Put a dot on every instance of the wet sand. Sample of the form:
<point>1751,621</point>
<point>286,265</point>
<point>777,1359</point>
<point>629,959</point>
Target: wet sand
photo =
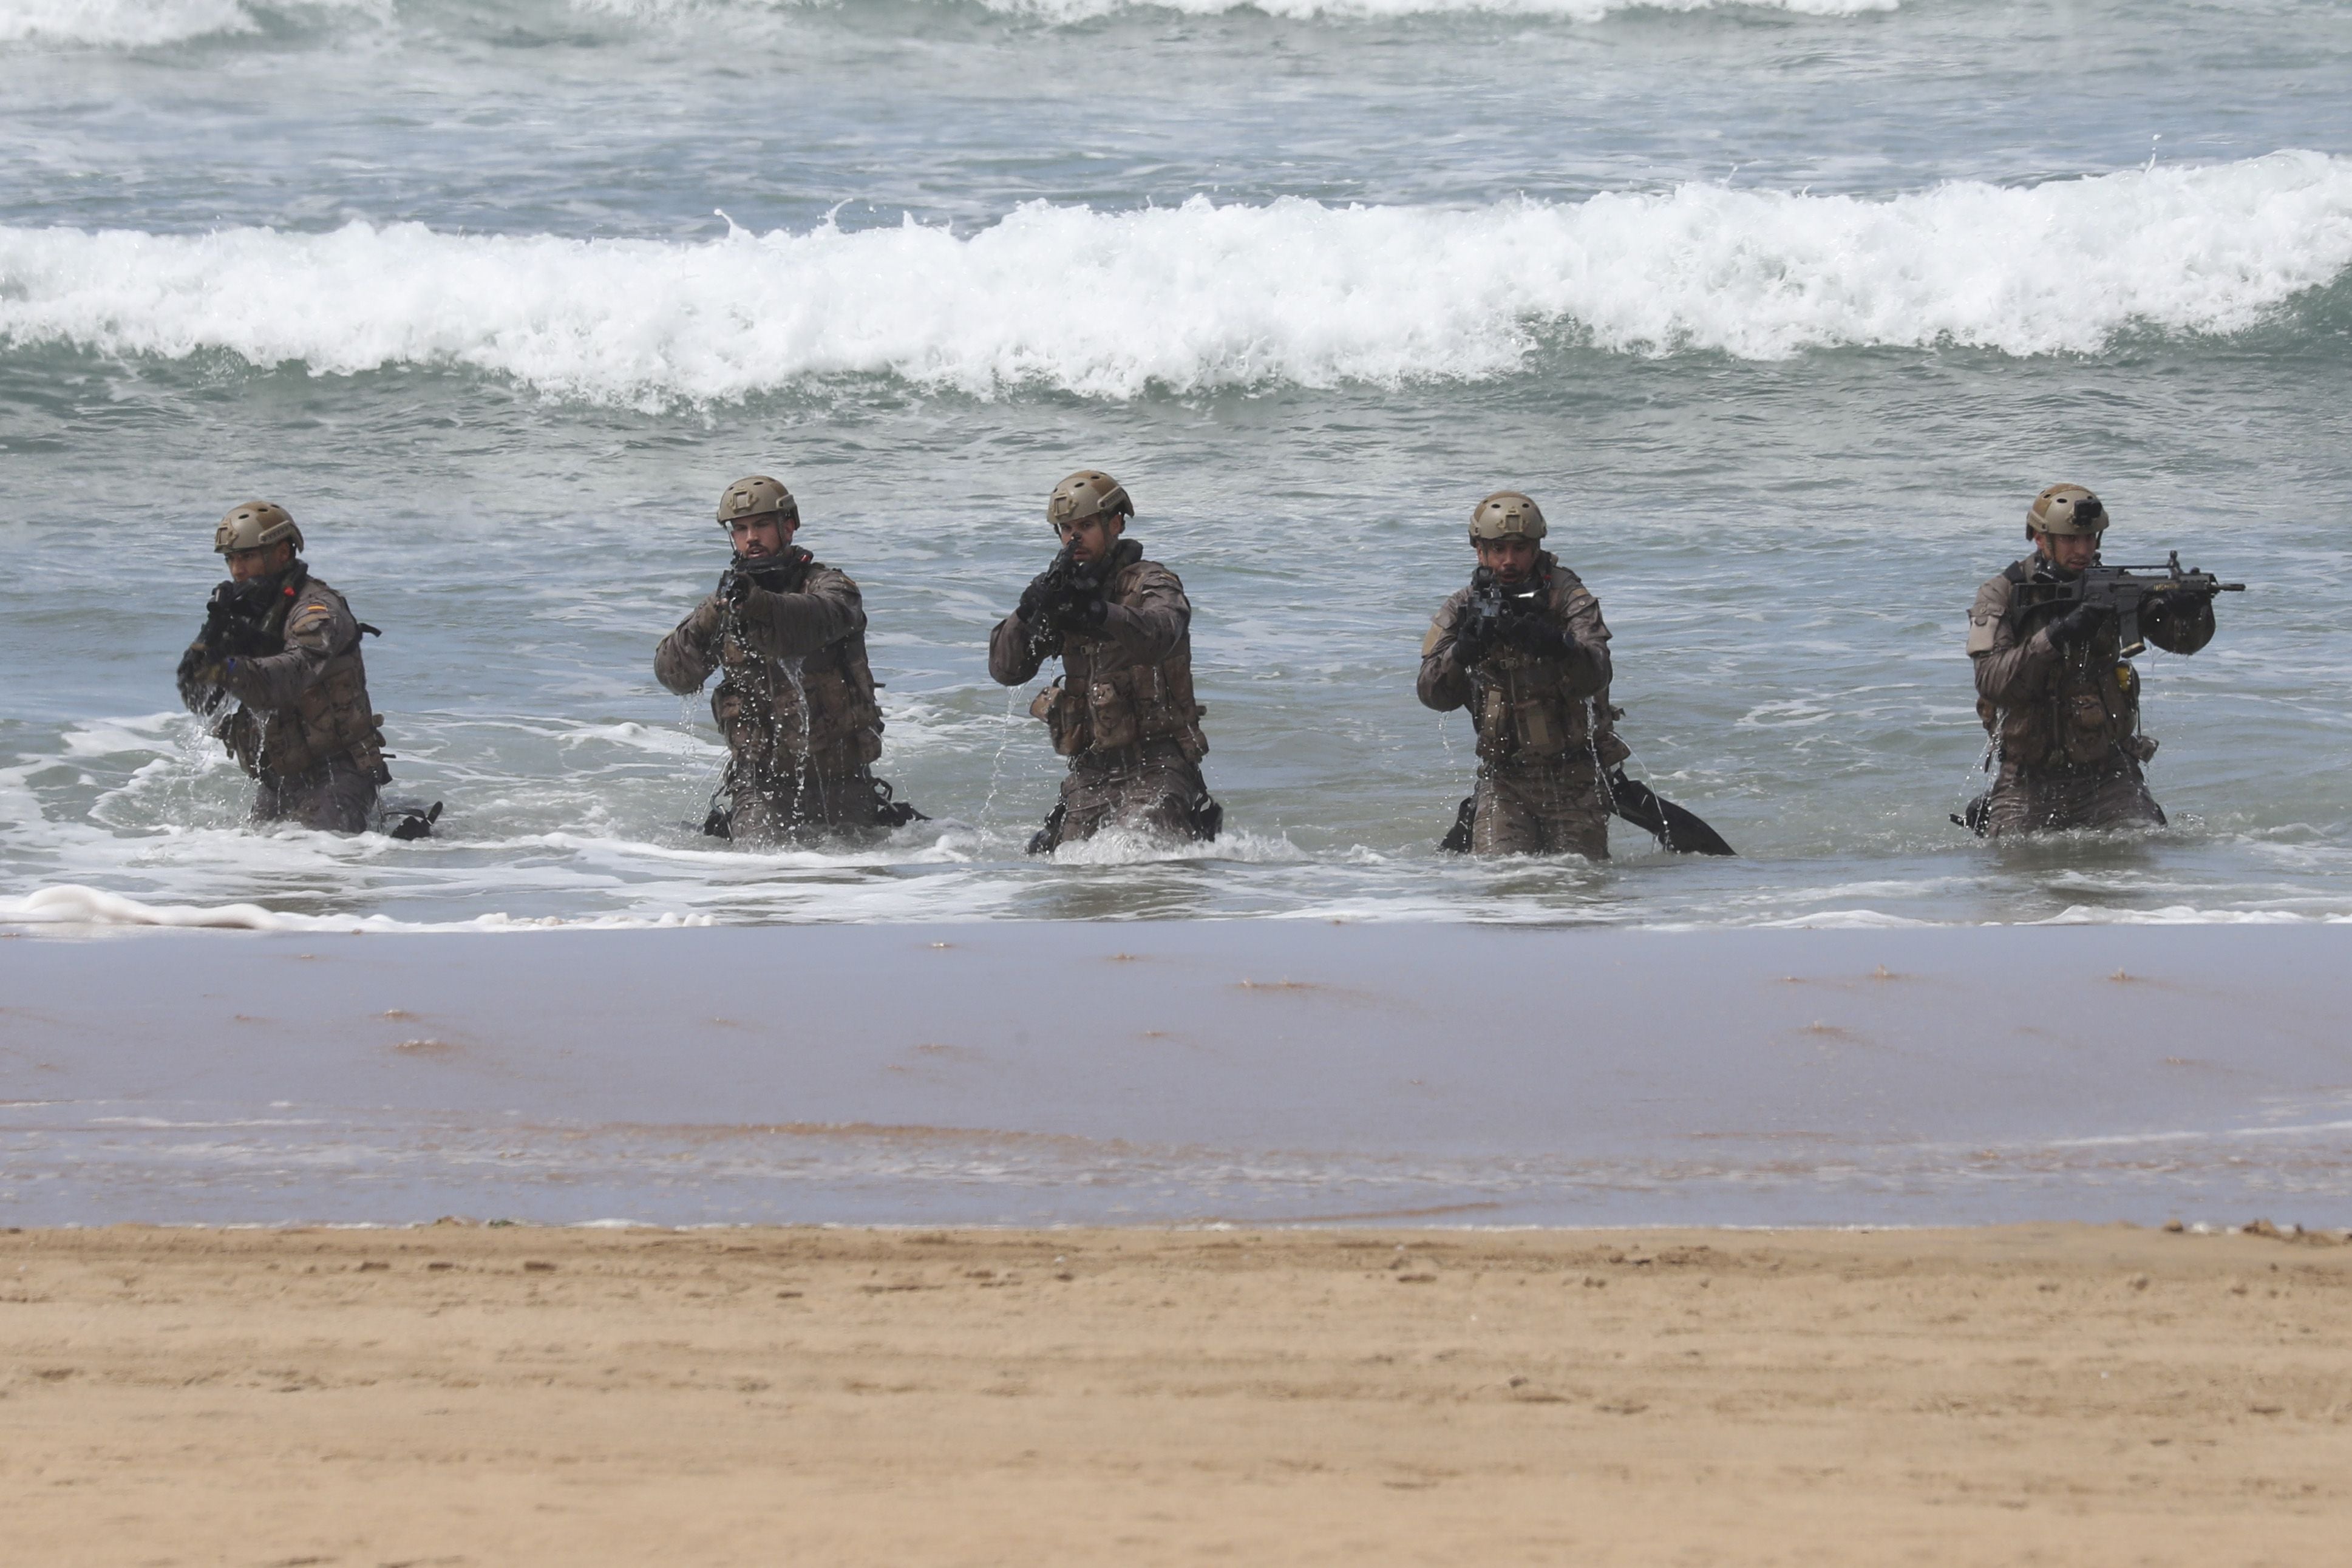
<point>500,1395</point>
<point>1260,1072</point>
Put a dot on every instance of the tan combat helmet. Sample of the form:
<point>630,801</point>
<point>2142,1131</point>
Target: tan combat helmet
<point>758,496</point>
<point>256,524</point>
<point>1506,515</point>
<point>1087,493</point>
<point>2066,510</point>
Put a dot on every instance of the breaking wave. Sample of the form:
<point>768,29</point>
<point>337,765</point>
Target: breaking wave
<point>1203,296</point>
<point>153,24</point>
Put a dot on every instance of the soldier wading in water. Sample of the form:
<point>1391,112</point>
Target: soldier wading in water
<point>1122,711</point>
<point>2054,685</point>
<point>795,699</point>
<point>1525,649</point>
<point>285,646</point>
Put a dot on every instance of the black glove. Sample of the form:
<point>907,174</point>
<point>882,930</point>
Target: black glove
<point>1473,639</point>
<point>1534,634</point>
<point>1036,597</point>
<point>199,679</point>
<point>2079,624</point>
<point>734,586</point>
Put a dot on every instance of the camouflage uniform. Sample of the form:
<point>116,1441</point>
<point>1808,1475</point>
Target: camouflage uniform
<point>2065,721</point>
<point>1122,711</point>
<point>303,728</point>
<point>795,700</point>
<point>1546,735</point>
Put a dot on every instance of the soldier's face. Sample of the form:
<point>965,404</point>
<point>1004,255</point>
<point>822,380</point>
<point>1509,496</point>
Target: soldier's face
<point>761,536</point>
<point>245,564</point>
<point>1090,540</point>
<point>2068,552</point>
<point>1511,558</point>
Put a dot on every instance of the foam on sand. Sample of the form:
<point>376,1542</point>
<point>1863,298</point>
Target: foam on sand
<point>1203,296</point>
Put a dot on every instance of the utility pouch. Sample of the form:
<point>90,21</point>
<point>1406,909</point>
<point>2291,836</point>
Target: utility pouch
<point>1540,731</point>
<point>1061,719</point>
<point>1113,713</point>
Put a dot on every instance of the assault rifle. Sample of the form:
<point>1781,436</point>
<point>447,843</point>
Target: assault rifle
<point>1062,583</point>
<point>235,620</point>
<point>1491,604</point>
<point>235,617</point>
<point>2127,592</point>
<point>746,572</point>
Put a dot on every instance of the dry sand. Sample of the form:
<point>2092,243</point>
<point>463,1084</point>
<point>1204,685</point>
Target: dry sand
<point>500,1395</point>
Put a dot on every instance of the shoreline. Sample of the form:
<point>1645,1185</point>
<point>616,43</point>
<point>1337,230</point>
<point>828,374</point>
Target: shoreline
<point>2095,1394</point>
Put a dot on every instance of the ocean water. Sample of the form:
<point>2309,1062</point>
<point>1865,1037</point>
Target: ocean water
<point>1783,311</point>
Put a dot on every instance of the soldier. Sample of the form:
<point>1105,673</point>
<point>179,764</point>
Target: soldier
<point>285,646</point>
<point>1122,710</point>
<point>1524,647</point>
<point>2054,689</point>
<point>795,699</point>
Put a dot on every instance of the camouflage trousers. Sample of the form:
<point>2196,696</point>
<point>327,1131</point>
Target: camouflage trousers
<point>1536,808</point>
<point>1151,788</point>
<point>801,805</point>
<point>2027,802</point>
<point>337,799</point>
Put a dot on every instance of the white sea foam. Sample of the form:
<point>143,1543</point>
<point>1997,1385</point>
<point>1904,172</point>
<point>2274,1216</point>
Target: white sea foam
<point>1204,296</point>
<point>1071,11</point>
<point>151,24</point>
<point>71,904</point>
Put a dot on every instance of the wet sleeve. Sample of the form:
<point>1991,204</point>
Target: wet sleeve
<point>794,626</point>
<point>1150,619</point>
<point>2179,623</point>
<point>2008,672</point>
<point>1014,651</point>
<point>317,628</point>
<point>1588,666</point>
<point>1444,685</point>
<point>683,660</point>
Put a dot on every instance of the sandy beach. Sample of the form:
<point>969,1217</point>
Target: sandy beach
<point>476,1394</point>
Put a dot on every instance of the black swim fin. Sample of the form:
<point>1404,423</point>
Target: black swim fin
<point>1678,830</point>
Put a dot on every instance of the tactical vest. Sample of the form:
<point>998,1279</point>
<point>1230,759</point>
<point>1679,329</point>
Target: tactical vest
<point>781,718</point>
<point>1525,714</point>
<point>330,720</point>
<point>1104,702</point>
<point>2087,715</point>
